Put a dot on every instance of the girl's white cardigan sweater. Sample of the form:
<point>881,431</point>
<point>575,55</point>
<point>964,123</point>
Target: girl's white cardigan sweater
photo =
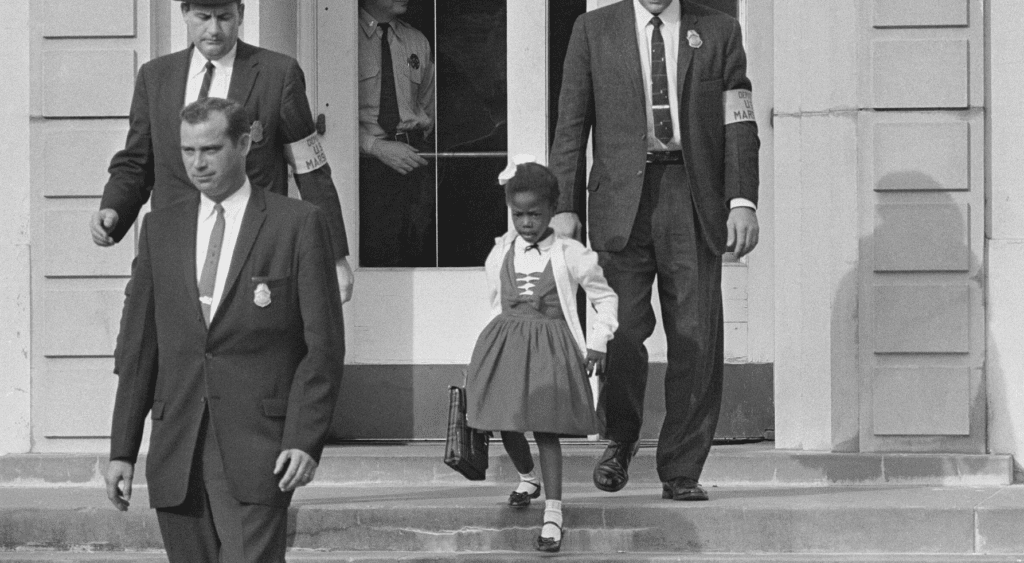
<point>573,265</point>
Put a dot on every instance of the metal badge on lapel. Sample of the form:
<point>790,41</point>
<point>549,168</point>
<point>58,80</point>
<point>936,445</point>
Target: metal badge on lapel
<point>256,131</point>
<point>261,297</point>
<point>694,39</point>
<point>414,61</point>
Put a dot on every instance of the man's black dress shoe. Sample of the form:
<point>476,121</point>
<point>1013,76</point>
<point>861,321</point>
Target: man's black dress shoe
<point>683,489</point>
<point>612,471</point>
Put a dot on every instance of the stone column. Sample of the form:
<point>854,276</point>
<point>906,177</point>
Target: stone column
<point>1005,233</point>
<point>816,224</point>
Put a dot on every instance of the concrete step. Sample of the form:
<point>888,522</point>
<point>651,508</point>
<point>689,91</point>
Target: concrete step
<point>730,465</point>
<point>511,557</point>
<point>864,520</point>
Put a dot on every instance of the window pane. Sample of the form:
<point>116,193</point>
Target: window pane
<point>472,134</point>
<point>474,206</point>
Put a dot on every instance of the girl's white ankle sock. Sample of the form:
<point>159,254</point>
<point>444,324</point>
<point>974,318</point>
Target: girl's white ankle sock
<point>552,513</point>
<point>528,483</point>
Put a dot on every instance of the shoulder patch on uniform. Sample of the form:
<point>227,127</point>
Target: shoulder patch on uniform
<point>739,106</point>
<point>306,155</point>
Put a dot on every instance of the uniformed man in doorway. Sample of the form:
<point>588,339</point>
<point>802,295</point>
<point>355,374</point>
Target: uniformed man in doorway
<point>396,122</point>
<point>270,86</point>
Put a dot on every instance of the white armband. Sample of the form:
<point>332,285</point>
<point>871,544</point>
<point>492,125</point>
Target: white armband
<point>739,106</point>
<point>306,155</point>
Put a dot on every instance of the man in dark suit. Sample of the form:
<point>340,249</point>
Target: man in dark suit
<point>236,303</point>
<point>663,86</point>
<point>272,88</point>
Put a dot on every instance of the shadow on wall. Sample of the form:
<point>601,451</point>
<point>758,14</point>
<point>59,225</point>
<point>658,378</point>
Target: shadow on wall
<point>906,323</point>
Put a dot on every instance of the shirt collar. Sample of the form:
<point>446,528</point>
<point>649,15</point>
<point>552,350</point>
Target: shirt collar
<point>369,25</point>
<point>233,204</point>
<point>544,244</point>
<point>669,16</point>
<point>198,64</point>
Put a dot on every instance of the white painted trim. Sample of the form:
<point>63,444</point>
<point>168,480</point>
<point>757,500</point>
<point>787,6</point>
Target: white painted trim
<point>250,31</point>
<point>179,33</point>
<point>527,60</point>
<point>15,276</point>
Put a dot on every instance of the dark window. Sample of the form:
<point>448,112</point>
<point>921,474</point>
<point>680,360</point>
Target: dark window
<point>457,208</point>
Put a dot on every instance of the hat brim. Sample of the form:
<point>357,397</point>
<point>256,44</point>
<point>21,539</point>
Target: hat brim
<point>208,2</point>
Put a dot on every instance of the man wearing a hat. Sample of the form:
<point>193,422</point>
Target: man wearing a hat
<point>270,86</point>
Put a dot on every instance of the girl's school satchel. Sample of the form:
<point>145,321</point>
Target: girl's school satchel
<point>465,450</point>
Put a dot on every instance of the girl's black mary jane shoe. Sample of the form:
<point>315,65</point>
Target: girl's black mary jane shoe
<point>522,500</point>
<point>550,545</point>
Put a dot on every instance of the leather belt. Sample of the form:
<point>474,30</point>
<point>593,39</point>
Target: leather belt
<point>413,137</point>
<point>665,157</point>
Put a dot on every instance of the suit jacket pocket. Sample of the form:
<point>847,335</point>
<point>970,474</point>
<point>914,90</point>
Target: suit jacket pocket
<point>275,408</point>
<point>158,410</point>
<point>271,299</point>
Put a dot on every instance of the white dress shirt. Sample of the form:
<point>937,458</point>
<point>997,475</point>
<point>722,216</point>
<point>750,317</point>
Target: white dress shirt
<point>234,208</point>
<point>536,259</point>
<point>222,69</point>
<point>670,29</point>
<point>532,261</point>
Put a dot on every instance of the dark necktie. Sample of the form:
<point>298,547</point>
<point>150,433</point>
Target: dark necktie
<point>534,246</point>
<point>388,117</point>
<point>659,85</point>
<point>208,278</point>
<point>204,90</point>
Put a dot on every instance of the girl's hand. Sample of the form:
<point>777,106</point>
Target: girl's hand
<point>595,362</point>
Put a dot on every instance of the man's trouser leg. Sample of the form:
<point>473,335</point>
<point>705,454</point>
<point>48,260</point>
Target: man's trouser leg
<point>690,291</point>
<point>630,272</point>
<point>215,521</point>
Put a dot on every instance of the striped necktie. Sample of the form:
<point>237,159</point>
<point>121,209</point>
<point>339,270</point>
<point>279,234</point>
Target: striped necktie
<point>659,85</point>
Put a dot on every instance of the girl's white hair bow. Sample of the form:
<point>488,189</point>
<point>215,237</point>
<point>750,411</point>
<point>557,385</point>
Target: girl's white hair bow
<point>510,170</point>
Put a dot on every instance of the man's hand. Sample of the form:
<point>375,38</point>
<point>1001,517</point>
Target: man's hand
<point>743,230</point>
<point>118,471</point>
<point>103,222</point>
<point>300,469</point>
<point>345,279</point>
<point>567,224</point>
<point>399,156</point>
<point>595,362</point>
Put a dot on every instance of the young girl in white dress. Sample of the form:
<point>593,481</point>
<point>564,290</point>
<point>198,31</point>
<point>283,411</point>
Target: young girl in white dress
<point>530,364</point>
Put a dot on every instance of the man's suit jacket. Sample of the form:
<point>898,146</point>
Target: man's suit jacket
<point>603,90</point>
<point>270,86</point>
<point>268,375</point>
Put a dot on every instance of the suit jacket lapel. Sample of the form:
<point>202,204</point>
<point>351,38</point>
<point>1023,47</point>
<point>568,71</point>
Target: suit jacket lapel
<point>244,73</point>
<point>170,106</point>
<point>179,81</point>
<point>687,22</point>
<point>625,29</point>
<point>183,250</point>
<point>252,220</point>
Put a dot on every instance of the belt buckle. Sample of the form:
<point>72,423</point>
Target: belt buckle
<point>404,137</point>
<point>661,157</point>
